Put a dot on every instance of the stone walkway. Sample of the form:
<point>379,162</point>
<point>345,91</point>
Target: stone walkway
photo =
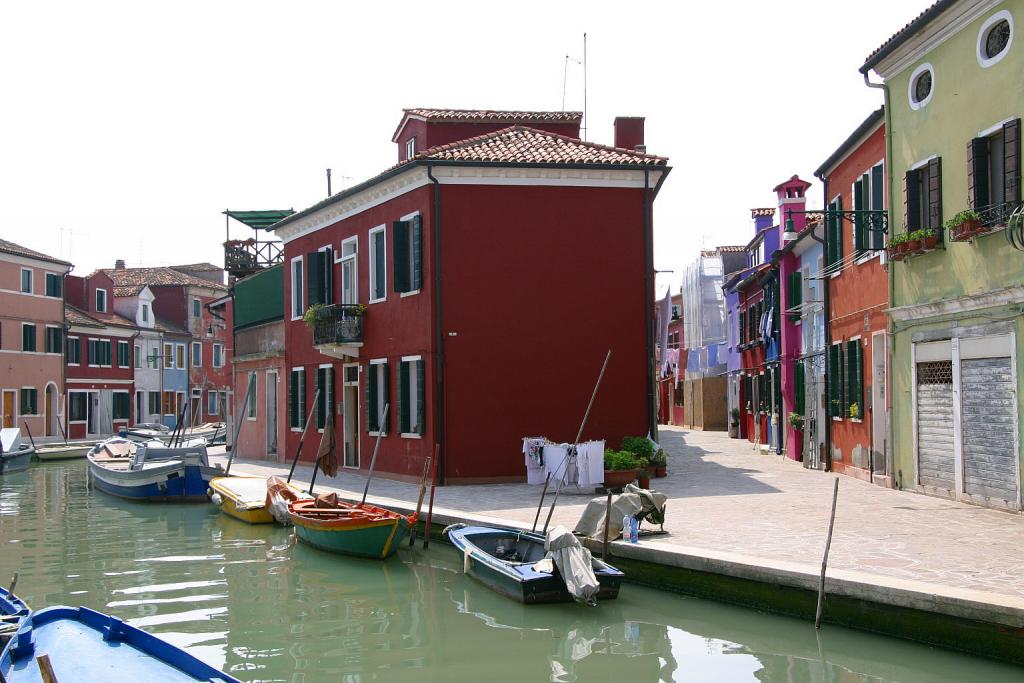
<point>725,499</point>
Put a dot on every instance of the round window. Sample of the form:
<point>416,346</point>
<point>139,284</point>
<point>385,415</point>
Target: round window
<point>922,86</point>
<point>997,38</point>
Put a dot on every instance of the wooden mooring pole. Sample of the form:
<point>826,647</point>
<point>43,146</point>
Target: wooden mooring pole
<point>824,559</point>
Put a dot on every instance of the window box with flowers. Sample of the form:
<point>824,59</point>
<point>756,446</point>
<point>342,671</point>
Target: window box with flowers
<point>965,226</point>
<point>898,245</point>
<point>922,241</point>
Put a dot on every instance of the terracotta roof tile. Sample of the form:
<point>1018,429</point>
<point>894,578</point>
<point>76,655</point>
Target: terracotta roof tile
<point>136,277</point>
<point>509,115</point>
<point>18,250</point>
<point>197,267</point>
<point>133,290</point>
<point>519,144</point>
<point>732,249</point>
<point>754,213</point>
<point>76,316</point>
<point>164,326</point>
<point>901,36</point>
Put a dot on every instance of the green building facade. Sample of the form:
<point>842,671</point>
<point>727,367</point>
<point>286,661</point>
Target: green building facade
<point>954,88</point>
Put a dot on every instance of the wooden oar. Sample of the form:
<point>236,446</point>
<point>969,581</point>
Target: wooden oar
<point>540,503</point>
<point>430,507</point>
<point>302,436</point>
<point>579,435</point>
<point>376,447</point>
<point>45,669</point>
<point>423,490</point>
<point>30,439</point>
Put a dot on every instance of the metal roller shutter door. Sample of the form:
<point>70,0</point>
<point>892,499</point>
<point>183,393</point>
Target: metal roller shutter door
<point>935,424</point>
<point>988,417</point>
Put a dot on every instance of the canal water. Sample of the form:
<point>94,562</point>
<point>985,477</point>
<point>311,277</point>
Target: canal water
<point>249,600</point>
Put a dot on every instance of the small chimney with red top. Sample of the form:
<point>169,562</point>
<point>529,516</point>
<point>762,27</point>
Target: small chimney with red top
<point>629,133</point>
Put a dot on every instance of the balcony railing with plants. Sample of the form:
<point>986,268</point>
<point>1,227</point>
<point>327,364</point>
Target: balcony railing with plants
<point>242,257</point>
<point>913,242</point>
<point>336,323</point>
<point>982,220</point>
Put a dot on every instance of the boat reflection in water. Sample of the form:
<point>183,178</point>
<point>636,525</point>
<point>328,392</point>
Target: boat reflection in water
<point>249,600</point>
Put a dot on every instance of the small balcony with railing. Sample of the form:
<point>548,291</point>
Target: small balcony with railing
<point>245,257</point>
<point>337,329</point>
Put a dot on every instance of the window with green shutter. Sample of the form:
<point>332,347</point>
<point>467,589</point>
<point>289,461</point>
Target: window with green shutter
<point>408,249</point>
<point>29,401</point>
<point>54,285</point>
<point>378,265</point>
<point>411,396</point>
<point>835,381</point>
<point>319,268</point>
<point>297,398</point>
<point>324,391</point>
<point>121,407</point>
<point>377,397</point>
<point>798,388</point>
<point>834,233</point>
<point>28,337</point>
<point>854,373</point>
<point>54,340</point>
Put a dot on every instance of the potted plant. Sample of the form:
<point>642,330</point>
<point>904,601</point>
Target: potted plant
<point>854,411</point>
<point>928,239</point>
<point>311,315</point>
<point>796,421</point>
<point>913,241</point>
<point>897,246</point>
<point>660,462</point>
<point>964,225</point>
<point>734,423</point>
<point>619,468</point>
<point>642,448</point>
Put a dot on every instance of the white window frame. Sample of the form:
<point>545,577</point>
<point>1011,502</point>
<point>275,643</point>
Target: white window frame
<point>218,350</point>
<point>210,393</point>
<point>410,146</point>
<point>344,259</point>
<point>301,388</point>
<point>373,264</point>
<point>868,254</point>
<point>145,312</point>
<point>298,295</point>
<point>408,218</point>
<point>46,338</point>
<point>910,86</point>
<point>120,419</point>
<point>413,391</point>
<point>119,343</point>
<point>197,358</point>
<point>197,305</point>
<point>70,421</point>
<point>46,277</point>
<point>180,355</point>
<point>251,411</point>
<point>31,283</point>
<point>106,300</point>
<point>329,398</point>
<point>66,342</point>
<point>36,337</point>
<point>137,357</point>
<point>168,357</point>
<point>380,404</point>
<point>983,61</point>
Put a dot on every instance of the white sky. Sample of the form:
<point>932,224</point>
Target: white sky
<point>126,128</point>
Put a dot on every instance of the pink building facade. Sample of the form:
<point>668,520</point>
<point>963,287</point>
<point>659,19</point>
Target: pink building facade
<point>31,340</point>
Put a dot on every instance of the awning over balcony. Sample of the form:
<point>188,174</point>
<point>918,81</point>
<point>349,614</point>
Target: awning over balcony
<point>259,220</point>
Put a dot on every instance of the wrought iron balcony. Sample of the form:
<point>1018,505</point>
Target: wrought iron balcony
<point>998,215</point>
<point>245,257</point>
<point>339,325</point>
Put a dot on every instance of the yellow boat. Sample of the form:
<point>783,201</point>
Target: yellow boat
<point>243,498</point>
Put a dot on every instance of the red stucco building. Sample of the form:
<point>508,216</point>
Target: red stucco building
<point>858,293</point>
<point>475,289</point>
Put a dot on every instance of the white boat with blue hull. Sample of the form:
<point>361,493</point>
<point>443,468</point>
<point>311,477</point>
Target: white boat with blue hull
<point>152,472</point>
<point>15,454</point>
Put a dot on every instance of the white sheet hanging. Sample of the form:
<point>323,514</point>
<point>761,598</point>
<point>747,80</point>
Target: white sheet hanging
<point>590,463</point>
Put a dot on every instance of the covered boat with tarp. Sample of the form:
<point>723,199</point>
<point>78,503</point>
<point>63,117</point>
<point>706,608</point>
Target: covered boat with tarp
<point>249,498</point>
<point>84,645</point>
<point>532,568</point>
<point>151,471</point>
<point>15,454</point>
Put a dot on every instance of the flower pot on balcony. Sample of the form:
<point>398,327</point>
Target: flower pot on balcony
<point>913,246</point>
<point>929,242</point>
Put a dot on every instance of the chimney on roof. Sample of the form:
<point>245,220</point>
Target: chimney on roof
<point>629,133</point>
<point>119,264</point>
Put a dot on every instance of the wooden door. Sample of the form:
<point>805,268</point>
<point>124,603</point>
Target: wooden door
<point>9,398</point>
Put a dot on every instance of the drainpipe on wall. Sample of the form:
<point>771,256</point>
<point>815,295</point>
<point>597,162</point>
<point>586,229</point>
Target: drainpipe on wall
<point>652,424</point>
<point>439,357</point>
<point>890,328</point>
<point>827,313</point>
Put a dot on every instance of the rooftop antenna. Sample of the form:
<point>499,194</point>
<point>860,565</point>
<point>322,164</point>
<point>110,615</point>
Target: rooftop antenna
<point>565,75</point>
<point>585,120</point>
<point>328,182</point>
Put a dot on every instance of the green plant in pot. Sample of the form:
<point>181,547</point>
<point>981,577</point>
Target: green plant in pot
<point>928,239</point>
<point>619,468</point>
<point>897,246</point>
<point>964,225</point>
<point>660,462</point>
<point>312,315</point>
<point>642,448</point>
<point>796,421</point>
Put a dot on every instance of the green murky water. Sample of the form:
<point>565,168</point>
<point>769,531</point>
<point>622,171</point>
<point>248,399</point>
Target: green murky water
<point>251,601</point>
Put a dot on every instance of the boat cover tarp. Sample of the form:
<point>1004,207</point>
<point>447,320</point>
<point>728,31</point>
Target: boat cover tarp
<point>632,502</point>
<point>574,564</point>
<point>10,437</point>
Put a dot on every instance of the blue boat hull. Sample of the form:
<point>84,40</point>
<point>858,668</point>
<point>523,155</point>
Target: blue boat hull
<point>518,580</point>
<point>84,645</point>
<point>16,461</point>
<point>13,610</point>
<point>188,487</point>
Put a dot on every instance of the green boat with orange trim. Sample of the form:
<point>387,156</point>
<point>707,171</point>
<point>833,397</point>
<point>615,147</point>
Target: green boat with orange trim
<point>356,529</point>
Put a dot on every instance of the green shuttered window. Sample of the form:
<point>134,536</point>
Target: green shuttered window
<point>319,268</point>
<point>411,397</point>
<point>835,380</point>
<point>121,409</point>
<point>29,401</point>
<point>377,397</point>
<point>324,392</point>
<point>408,241</point>
<point>799,393</point>
<point>854,372</point>
<point>297,398</point>
<point>834,233</point>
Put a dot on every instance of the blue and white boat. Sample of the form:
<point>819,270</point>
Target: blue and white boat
<point>15,454</point>
<point>13,611</point>
<point>512,562</point>
<point>151,471</point>
<point>84,645</point>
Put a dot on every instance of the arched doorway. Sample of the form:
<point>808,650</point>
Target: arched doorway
<point>50,406</point>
